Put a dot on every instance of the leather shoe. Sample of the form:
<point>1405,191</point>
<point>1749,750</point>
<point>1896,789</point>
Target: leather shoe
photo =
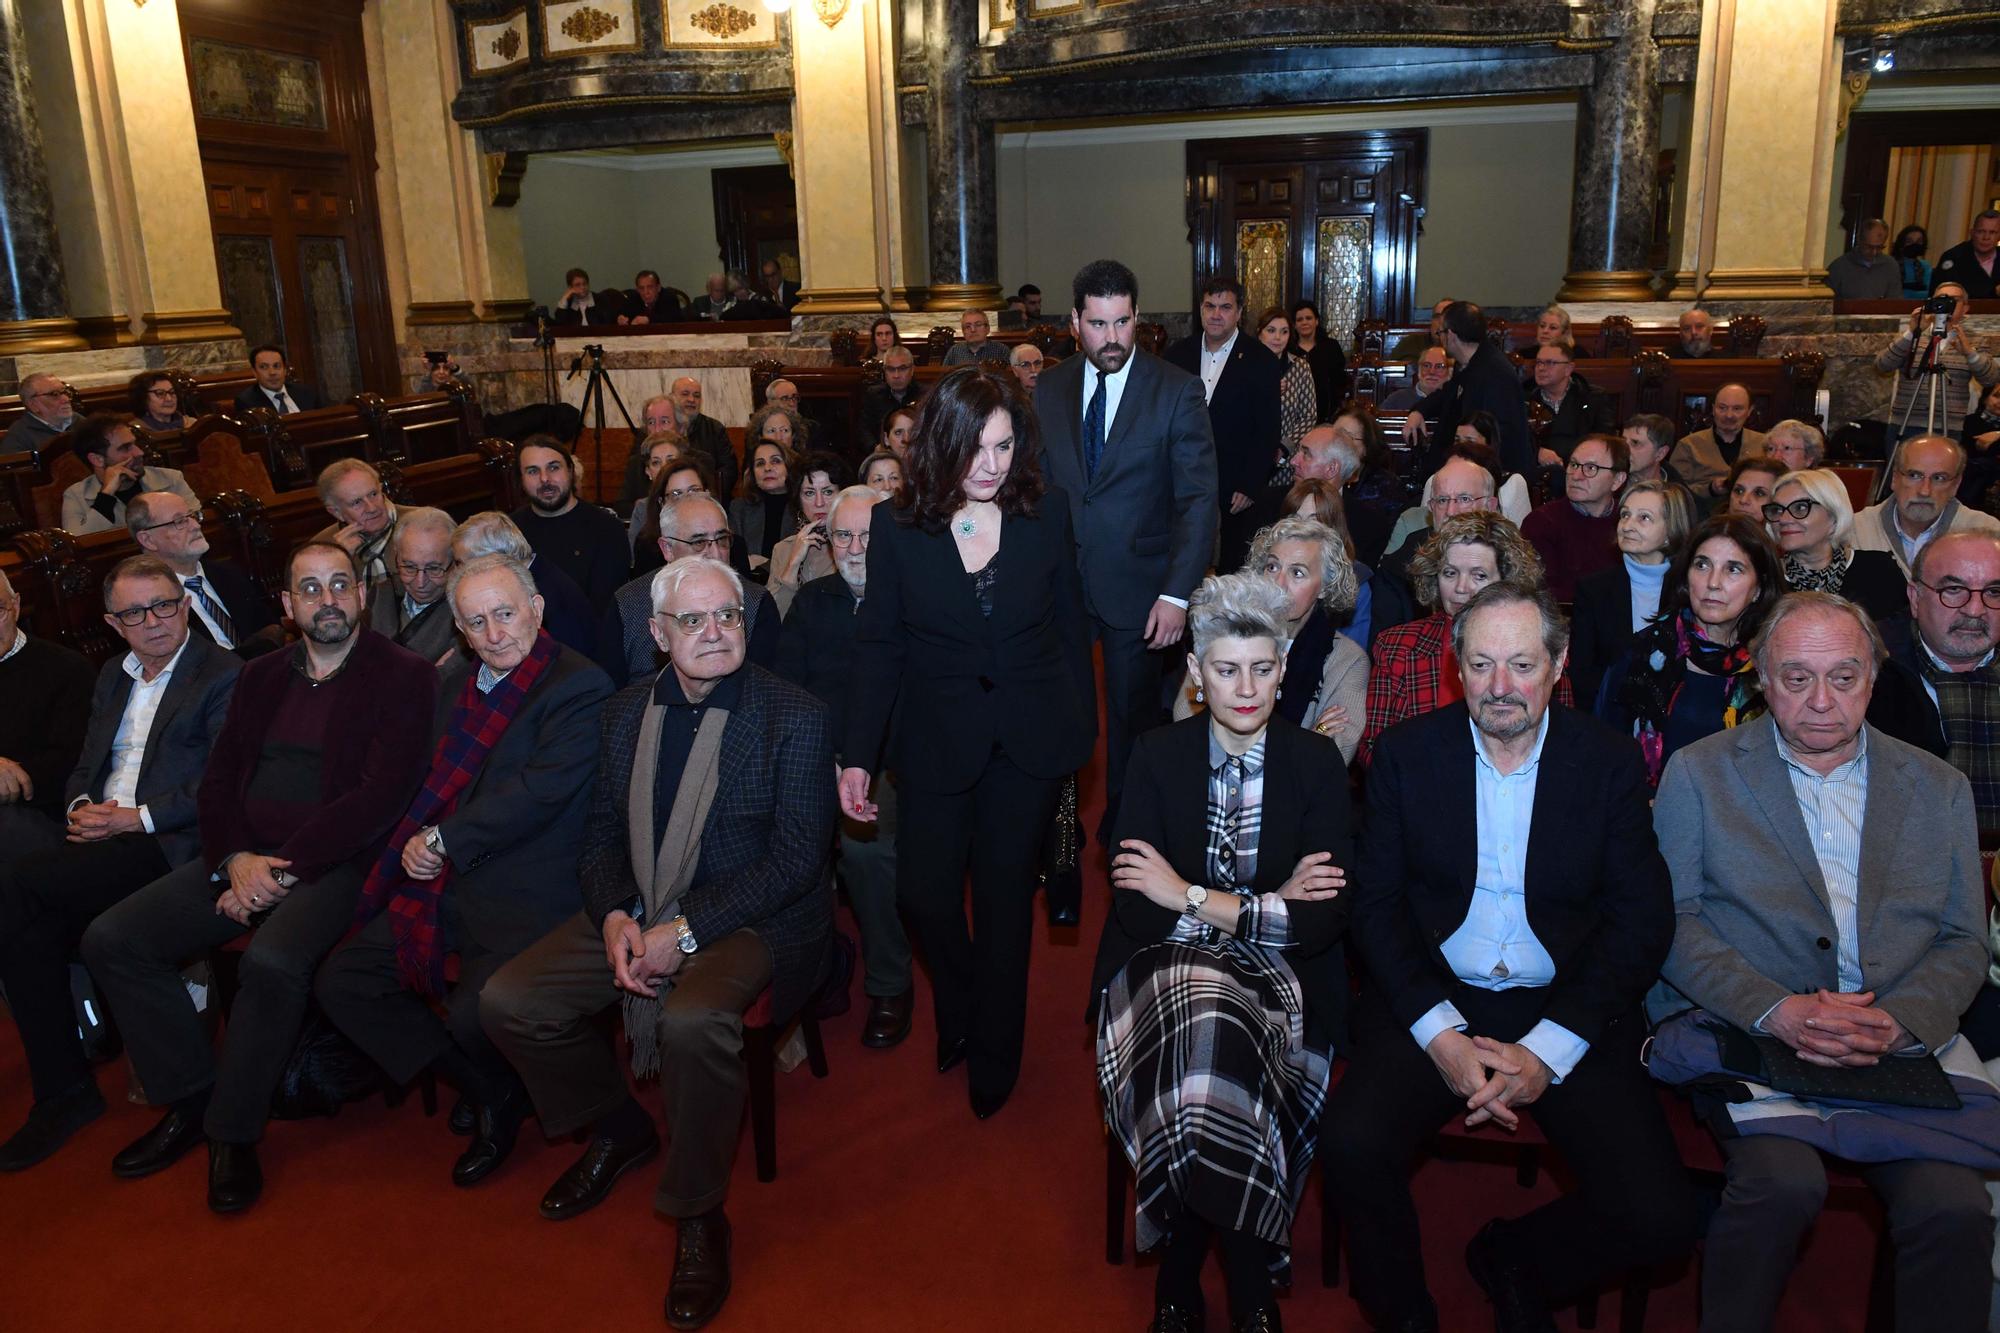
<point>494,1128</point>
<point>584,1185</point>
<point>1065,896</point>
<point>234,1178</point>
<point>985,1104</point>
<point>1517,1306</point>
<point>1171,1318</point>
<point>159,1147</point>
<point>1264,1320</point>
<point>461,1119</point>
<point>50,1124</point>
<point>700,1283</point>
<point>888,1020</point>
<point>951,1054</point>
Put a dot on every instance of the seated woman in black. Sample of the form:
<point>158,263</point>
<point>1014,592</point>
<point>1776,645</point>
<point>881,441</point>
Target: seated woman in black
<point>1811,519</point>
<point>1220,986</point>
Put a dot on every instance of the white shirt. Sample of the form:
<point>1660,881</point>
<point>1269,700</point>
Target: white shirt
<point>1114,389</point>
<point>1832,807</point>
<point>128,745</point>
<point>195,603</point>
<point>282,401</point>
<point>1212,364</point>
<point>20,642</point>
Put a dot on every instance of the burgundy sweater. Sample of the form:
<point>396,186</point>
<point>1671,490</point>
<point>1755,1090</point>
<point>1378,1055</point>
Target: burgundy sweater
<point>1571,544</point>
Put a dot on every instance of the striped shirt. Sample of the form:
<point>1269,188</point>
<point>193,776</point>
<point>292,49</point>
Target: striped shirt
<point>1832,807</point>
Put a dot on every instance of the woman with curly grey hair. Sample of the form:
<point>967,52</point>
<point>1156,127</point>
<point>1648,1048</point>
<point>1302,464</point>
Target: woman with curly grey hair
<point>1220,982</point>
<point>1308,562</point>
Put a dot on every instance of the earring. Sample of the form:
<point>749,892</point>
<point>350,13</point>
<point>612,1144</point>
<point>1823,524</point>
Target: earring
<point>1197,694</point>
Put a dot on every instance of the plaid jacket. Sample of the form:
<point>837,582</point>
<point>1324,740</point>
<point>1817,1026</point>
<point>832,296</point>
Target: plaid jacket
<point>763,861</point>
<point>1403,682</point>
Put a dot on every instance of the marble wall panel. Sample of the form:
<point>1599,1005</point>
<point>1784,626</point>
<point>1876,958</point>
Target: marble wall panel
<point>496,46</point>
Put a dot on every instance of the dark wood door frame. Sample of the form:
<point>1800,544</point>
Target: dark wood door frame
<point>1864,184</point>
<point>753,205</point>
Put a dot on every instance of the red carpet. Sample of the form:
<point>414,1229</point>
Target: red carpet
<point>893,1209</point>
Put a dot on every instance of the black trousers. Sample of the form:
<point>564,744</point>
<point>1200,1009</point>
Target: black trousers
<point>136,950</point>
<point>362,991</point>
<point>1134,701</point>
<point>1632,1204</point>
<point>48,899</point>
<point>979,978</point>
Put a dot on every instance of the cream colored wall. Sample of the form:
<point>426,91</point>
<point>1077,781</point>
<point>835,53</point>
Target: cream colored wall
<point>1498,227</point>
<point>1061,207</point>
<point>614,222</point>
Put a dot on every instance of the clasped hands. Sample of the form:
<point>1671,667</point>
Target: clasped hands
<point>1494,1077</point>
<point>640,959</point>
<point>1139,867</point>
<point>1836,1028</point>
<point>94,821</point>
<point>254,886</point>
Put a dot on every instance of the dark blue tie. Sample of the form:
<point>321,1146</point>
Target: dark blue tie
<point>214,609</point>
<point>1093,431</point>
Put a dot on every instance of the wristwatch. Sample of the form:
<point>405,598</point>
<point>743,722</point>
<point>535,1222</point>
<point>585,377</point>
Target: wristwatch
<point>683,937</point>
<point>1196,896</point>
<point>434,841</point>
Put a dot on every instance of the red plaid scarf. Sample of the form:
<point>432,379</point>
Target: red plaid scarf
<point>477,723</point>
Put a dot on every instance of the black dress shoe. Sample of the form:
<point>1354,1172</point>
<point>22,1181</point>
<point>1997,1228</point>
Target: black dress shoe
<point>159,1147</point>
<point>1264,1320</point>
<point>700,1283</point>
<point>584,1185</point>
<point>234,1178</point>
<point>1517,1306</point>
<point>888,1020</point>
<point>50,1124</point>
<point>462,1112</point>
<point>951,1054</point>
<point>985,1103</point>
<point>1171,1318</point>
<point>1065,896</point>
<point>494,1128</point>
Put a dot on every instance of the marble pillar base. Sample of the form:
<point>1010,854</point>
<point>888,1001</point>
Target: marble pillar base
<point>840,300</point>
<point>187,326</point>
<point>964,296</point>
<point>1599,285</point>
<point>425,313</point>
<point>39,335</point>
<point>1766,284</point>
<point>107,330</point>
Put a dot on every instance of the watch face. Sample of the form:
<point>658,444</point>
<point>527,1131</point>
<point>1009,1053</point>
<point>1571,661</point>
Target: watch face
<point>1197,894</point>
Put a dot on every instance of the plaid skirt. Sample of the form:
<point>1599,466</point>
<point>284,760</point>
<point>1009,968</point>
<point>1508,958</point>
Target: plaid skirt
<point>1213,1087</point>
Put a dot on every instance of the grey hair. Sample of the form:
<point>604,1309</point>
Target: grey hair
<point>1793,603</point>
<point>1808,435</point>
<point>1555,629</point>
<point>1014,357</point>
<point>1237,606</point>
<point>1957,451</point>
<point>1338,586</point>
<point>867,494</point>
<point>753,434</point>
<point>669,580</point>
<point>138,567</point>
<point>425,519</point>
<point>1923,553</point>
<point>139,511</point>
<point>1825,487</point>
<point>1347,451</point>
<point>672,505</point>
<point>330,476</point>
<point>486,564</point>
<point>491,533</point>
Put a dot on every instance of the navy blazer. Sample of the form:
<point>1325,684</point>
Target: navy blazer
<point>1145,522</point>
<point>183,733</point>
<point>962,684</point>
<point>1598,895</point>
<point>763,859</point>
<point>1305,810</point>
<point>304,395</point>
<point>1243,413</point>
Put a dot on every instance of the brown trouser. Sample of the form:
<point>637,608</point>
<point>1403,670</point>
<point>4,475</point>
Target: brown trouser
<point>538,1010</point>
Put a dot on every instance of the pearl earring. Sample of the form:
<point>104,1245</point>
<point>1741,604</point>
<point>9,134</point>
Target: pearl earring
<point>1197,694</point>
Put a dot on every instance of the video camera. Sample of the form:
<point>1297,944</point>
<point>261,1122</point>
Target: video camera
<point>1941,305</point>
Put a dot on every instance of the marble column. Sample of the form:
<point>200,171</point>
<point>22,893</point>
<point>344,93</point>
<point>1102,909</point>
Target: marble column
<point>964,231</point>
<point>839,143</point>
<point>34,299</point>
<point>1617,154</point>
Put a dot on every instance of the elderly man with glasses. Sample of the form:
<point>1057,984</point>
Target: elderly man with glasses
<point>412,609</point>
<point>130,805</point>
<point>1925,473</point>
<point>50,410</point>
<point>1577,535</point>
<point>694,524</point>
<point>225,605</point>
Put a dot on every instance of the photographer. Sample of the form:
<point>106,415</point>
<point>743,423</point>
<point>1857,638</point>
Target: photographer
<point>1942,320</point>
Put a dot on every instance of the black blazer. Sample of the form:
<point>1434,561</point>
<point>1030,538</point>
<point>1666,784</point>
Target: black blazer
<point>666,310</point>
<point>1305,810</point>
<point>1875,583</point>
<point>1488,382</point>
<point>514,836</point>
<point>250,611</point>
<point>1599,899</point>
<point>963,684</point>
<point>1243,414</point>
<point>1600,629</point>
<point>1145,524</point>
<point>184,729</point>
<point>816,645</point>
<point>304,395</point>
<point>1900,706</point>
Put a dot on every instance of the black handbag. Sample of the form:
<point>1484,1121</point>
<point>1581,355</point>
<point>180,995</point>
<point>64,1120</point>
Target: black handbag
<point>325,1072</point>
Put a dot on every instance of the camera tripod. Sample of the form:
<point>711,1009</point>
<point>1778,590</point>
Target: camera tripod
<point>594,390</point>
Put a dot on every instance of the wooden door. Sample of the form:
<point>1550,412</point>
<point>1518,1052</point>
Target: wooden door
<point>1329,217</point>
<point>757,218</point>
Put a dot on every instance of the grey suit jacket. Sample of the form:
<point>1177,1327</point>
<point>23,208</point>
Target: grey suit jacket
<point>428,636</point>
<point>184,729</point>
<point>1753,922</point>
<point>1145,523</point>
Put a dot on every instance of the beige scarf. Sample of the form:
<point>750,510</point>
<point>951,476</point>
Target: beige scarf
<point>663,873</point>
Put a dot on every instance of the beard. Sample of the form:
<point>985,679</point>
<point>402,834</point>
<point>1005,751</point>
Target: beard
<point>1504,727</point>
<point>329,626</point>
<point>544,505</point>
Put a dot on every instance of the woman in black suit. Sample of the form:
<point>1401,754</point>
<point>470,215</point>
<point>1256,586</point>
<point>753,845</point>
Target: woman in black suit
<point>1221,987</point>
<point>1654,520</point>
<point>973,637</point>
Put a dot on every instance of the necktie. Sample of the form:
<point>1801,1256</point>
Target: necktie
<point>1093,431</point>
<point>213,608</point>
<point>1225,855</point>
<point>282,401</point>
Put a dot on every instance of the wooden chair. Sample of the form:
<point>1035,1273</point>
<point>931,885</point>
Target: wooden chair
<point>761,1038</point>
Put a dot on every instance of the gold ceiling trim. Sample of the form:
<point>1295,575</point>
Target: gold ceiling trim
<point>1558,39</point>
<point>1898,27</point>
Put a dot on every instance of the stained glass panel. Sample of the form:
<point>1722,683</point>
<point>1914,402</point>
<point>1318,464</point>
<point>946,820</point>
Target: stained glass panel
<point>1343,274</point>
<point>1263,253</point>
<point>250,287</point>
<point>330,316</point>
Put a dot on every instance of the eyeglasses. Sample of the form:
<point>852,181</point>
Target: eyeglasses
<point>704,541</point>
<point>681,492</point>
<point>1955,595</point>
<point>311,591</point>
<point>858,540</point>
<point>1916,478</point>
<point>191,519</point>
<point>165,609</point>
<point>162,391</point>
<point>431,571</point>
<point>1587,470</point>
<point>692,623</point>
<point>1456,501</point>
<point>1800,508</point>
<point>60,391</point>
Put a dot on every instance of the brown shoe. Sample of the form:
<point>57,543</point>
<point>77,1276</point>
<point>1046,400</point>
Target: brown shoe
<point>888,1020</point>
<point>700,1283</point>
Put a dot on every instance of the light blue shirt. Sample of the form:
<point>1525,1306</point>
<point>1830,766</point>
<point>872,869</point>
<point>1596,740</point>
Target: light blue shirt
<point>1832,807</point>
<point>1645,582</point>
<point>1495,948</point>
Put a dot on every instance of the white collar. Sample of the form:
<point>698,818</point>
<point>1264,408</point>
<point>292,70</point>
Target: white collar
<point>1115,377</point>
<point>1223,350</point>
<point>20,642</point>
<point>138,672</point>
<point>1980,665</point>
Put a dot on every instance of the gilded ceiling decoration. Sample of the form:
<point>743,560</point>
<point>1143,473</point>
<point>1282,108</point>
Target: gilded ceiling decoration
<point>589,24</point>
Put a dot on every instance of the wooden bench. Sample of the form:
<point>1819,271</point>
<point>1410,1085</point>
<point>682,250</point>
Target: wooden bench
<point>1613,337</point>
<point>199,395</point>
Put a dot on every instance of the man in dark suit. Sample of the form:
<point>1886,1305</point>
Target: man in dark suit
<point>275,388</point>
<point>47,689</point>
<point>411,609</point>
<point>719,894</point>
<point>778,290</point>
<point>1505,969</point>
<point>693,524</point>
<point>1240,378</point>
<point>1485,381</point>
<point>484,872</point>
<point>131,816</point>
<point>225,605</point>
<point>1127,437</point>
<point>899,388</point>
<point>649,302</point>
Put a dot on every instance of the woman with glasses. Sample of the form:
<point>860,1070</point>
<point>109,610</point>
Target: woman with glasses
<point>1810,518</point>
<point>1654,520</point>
<point>1689,674</point>
<point>973,639</point>
<point>156,404</point>
<point>803,557</point>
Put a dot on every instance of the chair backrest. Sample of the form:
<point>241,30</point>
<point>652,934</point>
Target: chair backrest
<point>65,470</point>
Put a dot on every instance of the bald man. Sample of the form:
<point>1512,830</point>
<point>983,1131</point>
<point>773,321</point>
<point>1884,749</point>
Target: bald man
<point>679,409</point>
<point>49,413</point>
<point>1703,458</point>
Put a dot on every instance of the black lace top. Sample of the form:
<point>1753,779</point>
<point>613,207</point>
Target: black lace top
<point>983,583</point>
